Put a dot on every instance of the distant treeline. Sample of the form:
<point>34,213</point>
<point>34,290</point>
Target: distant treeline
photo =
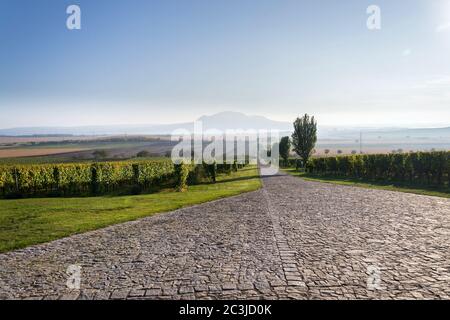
<point>90,179</point>
<point>36,136</point>
<point>425,168</point>
<point>122,139</point>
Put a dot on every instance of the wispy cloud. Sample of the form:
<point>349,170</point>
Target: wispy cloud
<point>443,27</point>
<point>439,82</point>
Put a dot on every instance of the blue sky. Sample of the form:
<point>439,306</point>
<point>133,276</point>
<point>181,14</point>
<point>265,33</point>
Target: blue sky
<point>174,60</point>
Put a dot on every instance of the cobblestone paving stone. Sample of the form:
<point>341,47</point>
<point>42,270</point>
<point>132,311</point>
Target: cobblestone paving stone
<point>292,239</point>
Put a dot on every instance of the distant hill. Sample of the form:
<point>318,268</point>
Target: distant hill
<point>220,121</point>
<point>234,121</point>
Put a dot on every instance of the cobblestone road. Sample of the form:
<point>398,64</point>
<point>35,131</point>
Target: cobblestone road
<point>290,240</point>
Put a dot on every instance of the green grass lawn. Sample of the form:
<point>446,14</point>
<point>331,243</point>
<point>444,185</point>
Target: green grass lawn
<point>371,184</point>
<point>26,222</point>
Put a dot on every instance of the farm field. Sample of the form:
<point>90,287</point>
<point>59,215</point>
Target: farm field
<point>53,149</point>
<point>26,140</point>
<point>14,140</point>
<point>76,148</point>
<point>26,222</point>
<point>377,147</point>
<point>225,150</point>
<point>33,152</point>
<point>76,153</point>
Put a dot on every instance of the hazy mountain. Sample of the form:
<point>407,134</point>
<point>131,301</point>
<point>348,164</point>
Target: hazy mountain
<point>220,121</point>
<point>235,121</point>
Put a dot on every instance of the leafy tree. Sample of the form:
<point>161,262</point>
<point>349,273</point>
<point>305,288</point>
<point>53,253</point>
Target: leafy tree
<point>100,154</point>
<point>326,151</point>
<point>143,154</point>
<point>304,137</point>
<point>285,148</point>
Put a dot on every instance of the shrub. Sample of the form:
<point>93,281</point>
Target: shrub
<point>77,179</point>
<point>427,168</point>
<point>181,175</point>
<point>235,166</point>
<point>197,175</point>
<point>211,170</point>
<point>94,180</point>
<point>224,168</point>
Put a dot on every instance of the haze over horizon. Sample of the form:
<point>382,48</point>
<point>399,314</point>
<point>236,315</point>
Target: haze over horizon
<point>193,119</point>
<point>223,122</point>
<point>165,62</point>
